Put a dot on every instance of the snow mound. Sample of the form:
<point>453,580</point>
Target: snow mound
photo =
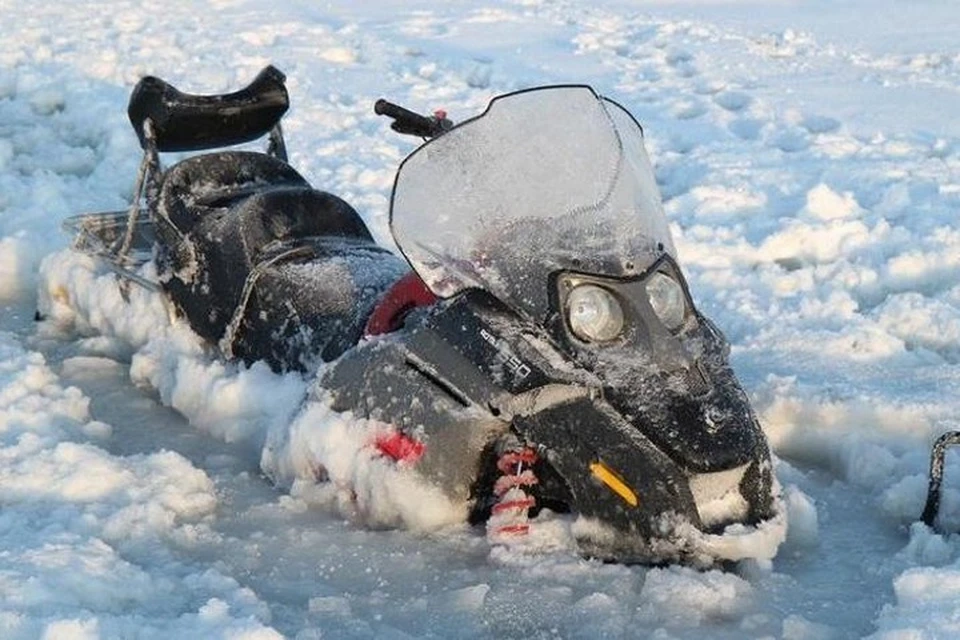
<point>325,457</point>
<point>336,450</point>
<point>82,528</point>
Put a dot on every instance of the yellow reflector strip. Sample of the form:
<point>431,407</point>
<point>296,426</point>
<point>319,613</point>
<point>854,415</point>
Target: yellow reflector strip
<point>603,473</point>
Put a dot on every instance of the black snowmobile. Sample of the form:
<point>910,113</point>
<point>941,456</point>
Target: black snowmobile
<point>535,347</point>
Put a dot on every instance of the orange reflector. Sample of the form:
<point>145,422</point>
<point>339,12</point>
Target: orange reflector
<point>606,475</point>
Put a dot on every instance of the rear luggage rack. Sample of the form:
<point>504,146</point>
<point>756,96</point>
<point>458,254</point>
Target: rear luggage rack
<point>99,234</point>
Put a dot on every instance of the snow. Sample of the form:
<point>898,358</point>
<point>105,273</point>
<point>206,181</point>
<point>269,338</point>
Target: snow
<point>809,157</point>
<point>322,442</point>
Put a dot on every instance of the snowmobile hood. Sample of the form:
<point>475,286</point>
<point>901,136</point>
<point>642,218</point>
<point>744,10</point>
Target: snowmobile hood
<point>545,180</point>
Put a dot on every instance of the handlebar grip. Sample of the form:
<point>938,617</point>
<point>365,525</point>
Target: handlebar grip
<point>406,121</point>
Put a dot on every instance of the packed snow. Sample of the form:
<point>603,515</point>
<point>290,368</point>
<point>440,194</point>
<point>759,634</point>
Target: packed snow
<point>809,158</point>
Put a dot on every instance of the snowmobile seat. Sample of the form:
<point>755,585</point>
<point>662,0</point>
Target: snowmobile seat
<point>287,213</point>
<point>240,229</point>
<point>252,194</point>
<point>231,245</point>
<point>211,184</point>
<point>186,122</point>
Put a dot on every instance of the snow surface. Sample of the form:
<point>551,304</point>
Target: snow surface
<point>809,157</point>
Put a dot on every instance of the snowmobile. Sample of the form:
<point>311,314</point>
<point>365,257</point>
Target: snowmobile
<point>534,346</point>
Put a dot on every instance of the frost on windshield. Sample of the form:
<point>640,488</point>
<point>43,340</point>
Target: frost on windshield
<point>546,180</point>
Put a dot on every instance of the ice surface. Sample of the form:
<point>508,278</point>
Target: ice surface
<point>808,153</point>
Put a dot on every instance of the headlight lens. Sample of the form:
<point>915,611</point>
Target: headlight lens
<point>594,314</point>
<point>667,299</point>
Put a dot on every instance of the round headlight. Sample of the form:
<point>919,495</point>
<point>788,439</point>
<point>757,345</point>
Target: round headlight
<point>594,314</point>
<point>667,299</point>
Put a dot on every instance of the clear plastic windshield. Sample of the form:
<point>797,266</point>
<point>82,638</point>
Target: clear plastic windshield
<point>545,180</point>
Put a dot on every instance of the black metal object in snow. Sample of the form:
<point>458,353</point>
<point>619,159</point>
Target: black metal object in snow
<point>932,507</point>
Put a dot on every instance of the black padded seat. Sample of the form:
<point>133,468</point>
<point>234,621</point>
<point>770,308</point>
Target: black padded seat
<point>187,122</point>
<point>288,213</point>
<point>198,186</point>
<point>223,214</point>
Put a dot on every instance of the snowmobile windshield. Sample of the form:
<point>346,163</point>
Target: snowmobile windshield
<point>545,180</point>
